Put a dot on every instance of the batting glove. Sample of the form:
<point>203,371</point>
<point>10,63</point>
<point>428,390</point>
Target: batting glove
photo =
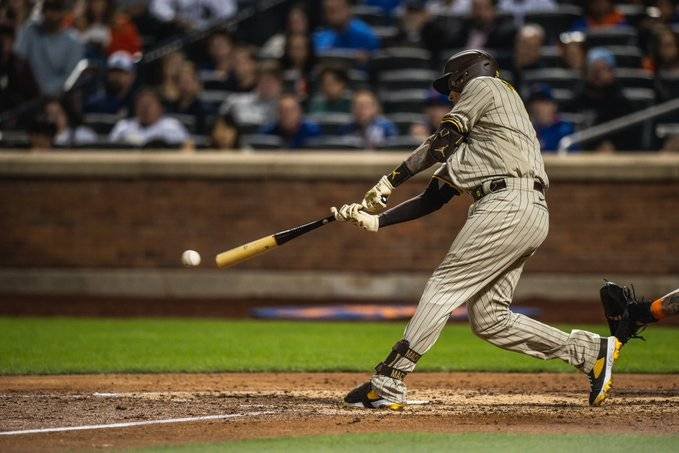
<point>376,198</point>
<point>354,213</point>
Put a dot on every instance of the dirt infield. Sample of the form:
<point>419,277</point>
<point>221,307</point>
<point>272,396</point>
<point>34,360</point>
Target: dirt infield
<point>270,405</point>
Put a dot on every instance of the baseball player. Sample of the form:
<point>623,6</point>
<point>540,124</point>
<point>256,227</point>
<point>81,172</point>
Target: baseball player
<point>488,148</point>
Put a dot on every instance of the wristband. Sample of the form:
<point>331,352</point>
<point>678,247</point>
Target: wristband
<point>399,175</point>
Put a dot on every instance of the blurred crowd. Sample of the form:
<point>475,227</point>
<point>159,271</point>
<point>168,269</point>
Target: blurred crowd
<point>335,74</point>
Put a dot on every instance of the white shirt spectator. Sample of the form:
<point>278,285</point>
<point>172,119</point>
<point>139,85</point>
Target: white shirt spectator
<point>249,108</point>
<point>198,13</point>
<point>450,7</point>
<point>132,132</point>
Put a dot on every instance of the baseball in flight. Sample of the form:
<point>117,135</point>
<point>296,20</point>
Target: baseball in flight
<point>190,258</point>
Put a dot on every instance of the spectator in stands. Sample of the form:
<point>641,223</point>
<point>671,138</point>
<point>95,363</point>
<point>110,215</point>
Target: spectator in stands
<point>297,23</point>
<point>369,124</point>
<point>149,127</point>
<point>603,97</point>
<point>244,75</point>
<point>664,52</point>
<point>187,15</point>
<point>344,31</point>
<point>225,134</point>
<point>486,29</point>
<point>519,8</point>
<point>51,51</point>
<point>436,107</point>
<point>104,30</point>
<point>544,114</point>
<point>600,14</point>
<point>293,129</point>
<point>449,7</point>
<point>171,66</point>
<point>16,81</point>
<point>529,41</point>
<point>334,96</point>
<point>15,12</point>
<point>188,100</point>
<point>220,49</point>
<point>260,106</point>
<point>388,7</point>
<point>68,132</point>
<point>572,51</point>
<point>298,61</point>
<point>417,28</point>
<point>41,132</point>
<point>117,97</point>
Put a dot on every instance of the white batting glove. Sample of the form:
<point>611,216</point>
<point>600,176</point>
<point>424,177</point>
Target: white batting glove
<point>376,198</point>
<point>354,213</point>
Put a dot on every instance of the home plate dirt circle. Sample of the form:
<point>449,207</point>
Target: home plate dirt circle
<point>146,410</point>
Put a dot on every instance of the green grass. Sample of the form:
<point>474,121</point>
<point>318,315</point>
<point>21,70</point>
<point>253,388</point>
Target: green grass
<point>68,345</point>
<point>474,442</point>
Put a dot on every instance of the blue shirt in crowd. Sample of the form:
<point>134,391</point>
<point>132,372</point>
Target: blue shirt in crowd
<point>357,35</point>
<point>308,129</point>
<point>375,134</point>
<point>549,136</point>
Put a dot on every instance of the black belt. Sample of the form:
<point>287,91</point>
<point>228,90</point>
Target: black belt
<point>498,184</point>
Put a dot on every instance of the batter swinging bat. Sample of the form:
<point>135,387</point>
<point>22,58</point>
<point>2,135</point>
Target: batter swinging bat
<point>254,248</point>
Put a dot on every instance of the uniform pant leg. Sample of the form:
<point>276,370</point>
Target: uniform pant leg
<point>491,319</point>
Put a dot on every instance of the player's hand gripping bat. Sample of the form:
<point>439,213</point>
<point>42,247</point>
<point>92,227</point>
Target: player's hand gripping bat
<point>254,248</point>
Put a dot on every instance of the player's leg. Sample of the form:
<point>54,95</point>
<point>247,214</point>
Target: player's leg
<point>492,320</point>
<point>499,231</point>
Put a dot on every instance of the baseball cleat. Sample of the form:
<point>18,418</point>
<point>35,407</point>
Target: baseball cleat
<point>601,376</point>
<point>365,397</point>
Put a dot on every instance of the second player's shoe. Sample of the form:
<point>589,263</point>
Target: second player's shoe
<point>364,396</point>
<point>601,376</point>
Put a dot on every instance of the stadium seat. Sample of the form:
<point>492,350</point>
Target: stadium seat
<point>550,57</point>
<point>345,58</point>
<point>613,36</point>
<point>386,34</point>
<point>580,120</point>
<point>214,97</point>
<point>626,56</point>
<point>392,58</point>
<point>101,123</point>
<point>554,77</point>
<point>668,85</point>
<point>664,130</point>
<point>401,142</point>
<point>403,121</point>
<point>212,80</point>
<point>335,142</point>
<point>405,79</point>
<point>555,22</point>
<point>634,78</point>
<point>633,13</point>
<point>249,128</point>
<point>403,101</point>
<point>263,141</point>
<point>332,123</point>
<point>372,15</point>
<point>639,97</point>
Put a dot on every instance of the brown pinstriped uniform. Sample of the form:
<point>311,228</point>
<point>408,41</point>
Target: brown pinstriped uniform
<point>503,230</point>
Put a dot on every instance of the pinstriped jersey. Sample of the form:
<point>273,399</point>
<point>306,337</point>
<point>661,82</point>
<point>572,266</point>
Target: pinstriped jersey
<point>501,141</point>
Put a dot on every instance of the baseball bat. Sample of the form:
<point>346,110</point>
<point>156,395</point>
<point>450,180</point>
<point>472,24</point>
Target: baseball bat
<point>246,251</point>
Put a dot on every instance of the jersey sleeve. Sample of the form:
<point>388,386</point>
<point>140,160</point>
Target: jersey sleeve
<point>475,101</point>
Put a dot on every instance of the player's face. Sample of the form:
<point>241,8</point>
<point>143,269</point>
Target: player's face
<point>454,96</point>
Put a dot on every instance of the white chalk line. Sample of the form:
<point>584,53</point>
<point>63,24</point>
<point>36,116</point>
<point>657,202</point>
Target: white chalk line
<point>166,421</point>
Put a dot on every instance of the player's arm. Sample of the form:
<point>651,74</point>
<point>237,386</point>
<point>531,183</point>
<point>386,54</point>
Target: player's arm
<point>475,101</point>
<point>432,199</point>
